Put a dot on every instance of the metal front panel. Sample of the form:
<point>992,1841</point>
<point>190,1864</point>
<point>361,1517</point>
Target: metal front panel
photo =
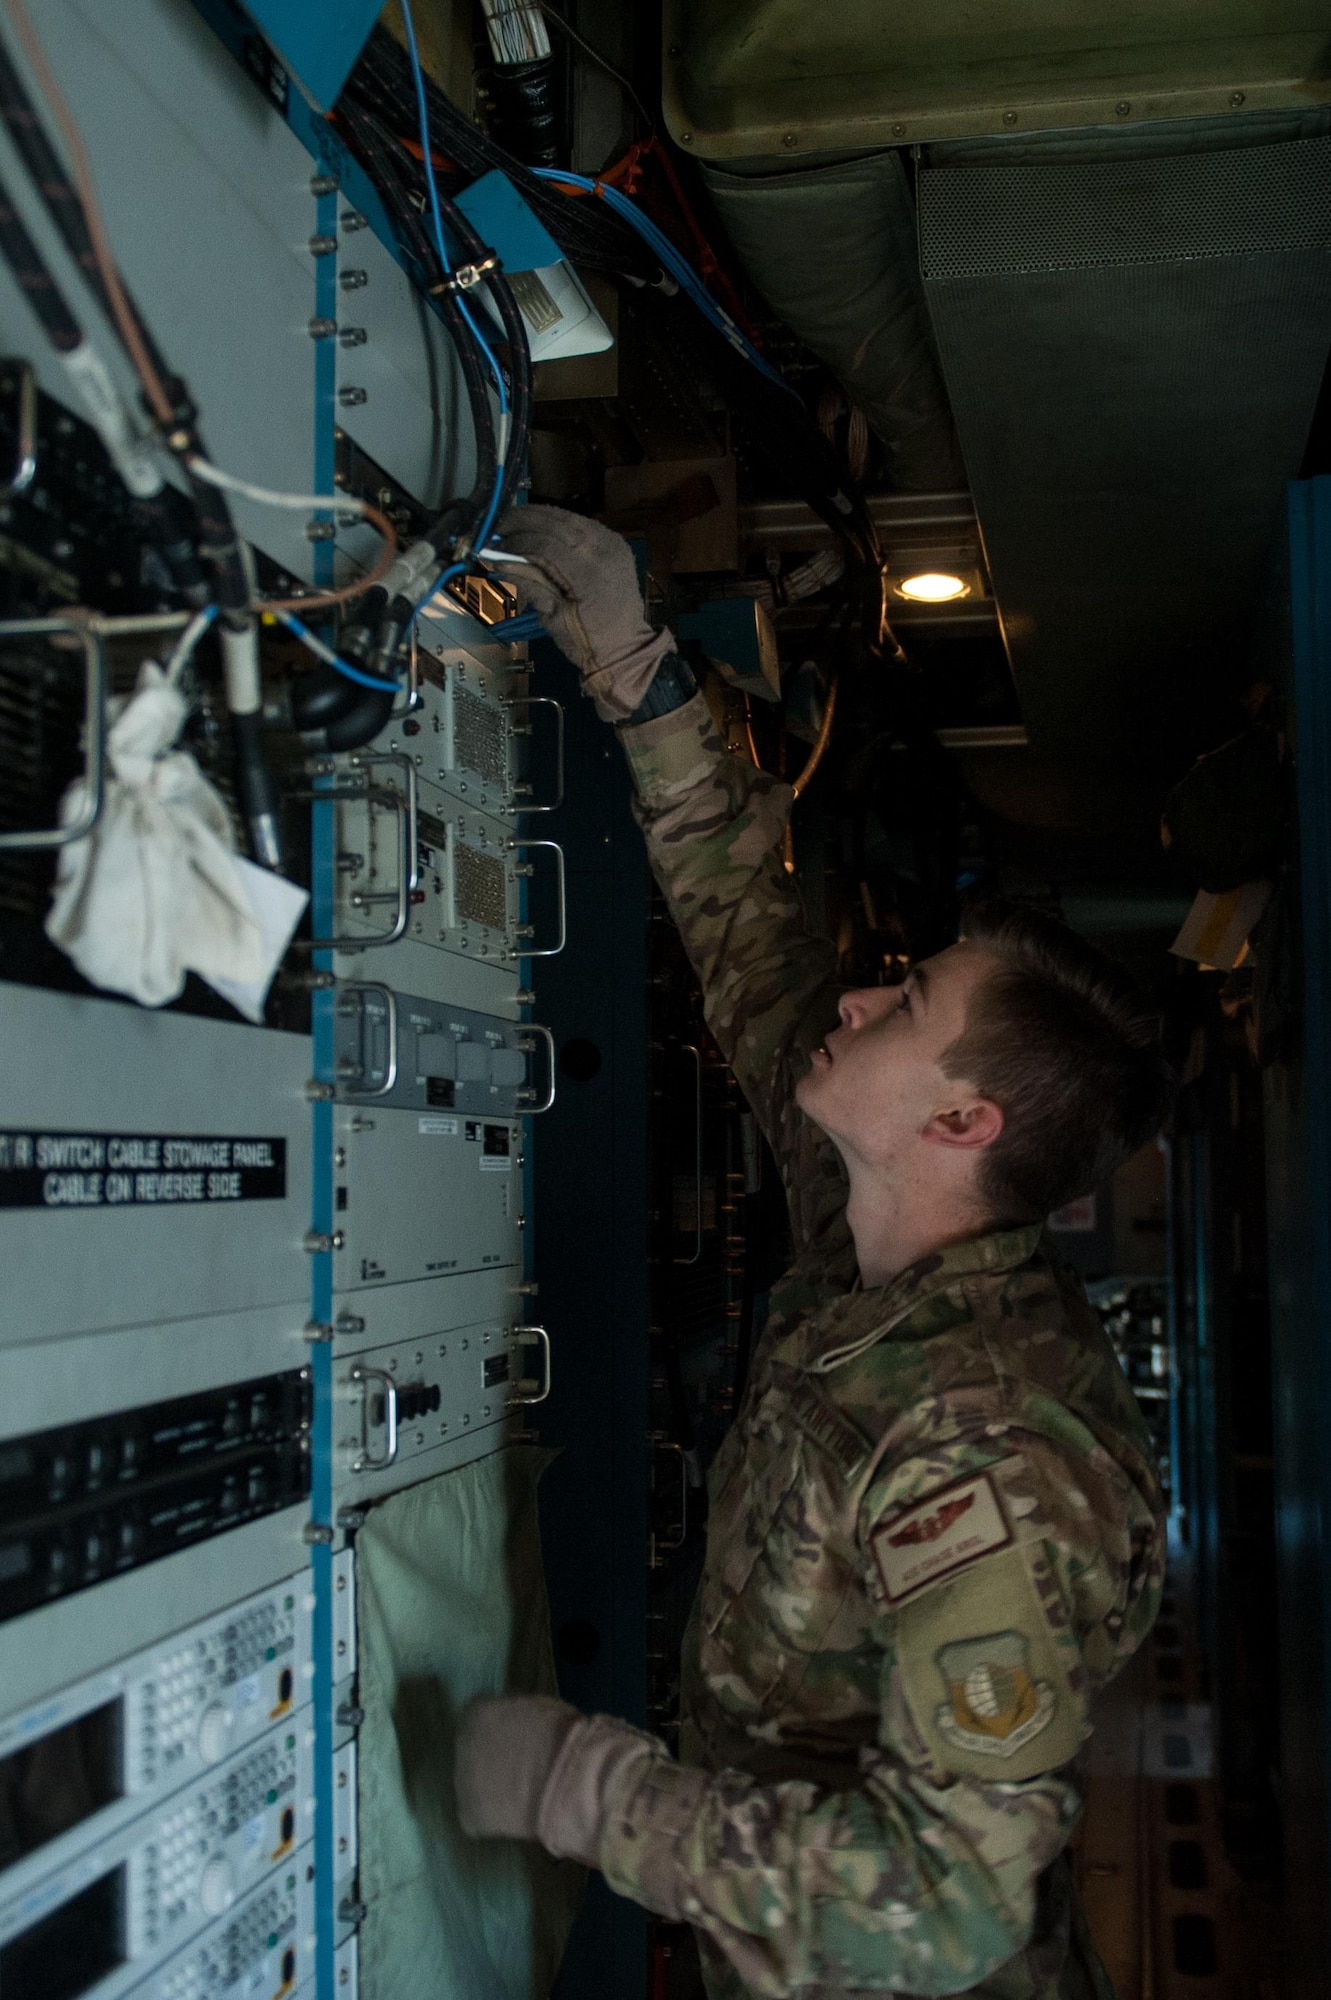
<point>424,1194</point>
<point>78,1635</point>
<point>68,1381</point>
<point>463,733</point>
<point>454,1393</point>
<point>429,1055</point>
<point>411,1315</point>
<point>173,1246</point>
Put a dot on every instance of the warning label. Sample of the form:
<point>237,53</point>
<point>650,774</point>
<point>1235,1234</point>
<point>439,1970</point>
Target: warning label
<point>137,1169</point>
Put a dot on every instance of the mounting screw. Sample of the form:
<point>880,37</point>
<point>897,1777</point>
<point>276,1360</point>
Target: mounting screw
<point>1123,109</point>
<point>898,131</point>
<point>352,281</point>
<point>788,139</point>
<point>349,1911</point>
<point>317,1242</point>
<point>686,138</point>
<point>674,49</point>
<point>1236,98</point>
<point>318,1092</point>
<point>349,1716</point>
<point>317,1330</point>
<point>353,336</point>
<point>1009,117</point>
<point>352,221</point>
<point>323,184</point>
<point>322,329</point>
<point>316,1533</point>
<point>320,531</point>
<point>323,246</point>
<point>350,397</point>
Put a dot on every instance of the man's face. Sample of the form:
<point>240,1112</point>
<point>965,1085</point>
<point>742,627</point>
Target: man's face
<point>877,1083</point>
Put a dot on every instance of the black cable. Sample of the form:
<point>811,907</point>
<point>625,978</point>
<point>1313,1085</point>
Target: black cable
<point>602,62</point>
<point>586,231</point>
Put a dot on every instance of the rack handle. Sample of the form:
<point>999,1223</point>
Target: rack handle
<point>94,732</point>
<point>406,810</point>
<point>544,701</point>
<point>524,931</point>
<point>525,1336</point>
<point>363,1375</point>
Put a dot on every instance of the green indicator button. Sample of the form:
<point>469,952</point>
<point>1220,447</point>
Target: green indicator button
<point>272,1797</point>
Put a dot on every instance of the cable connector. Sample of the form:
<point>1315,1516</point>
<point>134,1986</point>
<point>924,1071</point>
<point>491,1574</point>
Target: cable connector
<point>467,275</point>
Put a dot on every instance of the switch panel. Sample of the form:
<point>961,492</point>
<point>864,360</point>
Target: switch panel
<point>117,1743</point>
<point>172,1871</point>
<point>425,1055</point>
<point>424,1194</point>
<point>261,1950</point>
<point>448,1397</point>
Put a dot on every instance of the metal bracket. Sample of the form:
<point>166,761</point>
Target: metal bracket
<point>524,931</point>
<point>525,1336</point>
<point>535,1110</point>
<point>390,1067</point>
<point>408,838</point>
<point>94,730</point>
<point>362,1375</point>
<point>542,701</point>
<point>25,415</point>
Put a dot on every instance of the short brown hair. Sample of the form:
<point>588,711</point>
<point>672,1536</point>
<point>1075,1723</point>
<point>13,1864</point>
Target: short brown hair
<point>1064,1043</point>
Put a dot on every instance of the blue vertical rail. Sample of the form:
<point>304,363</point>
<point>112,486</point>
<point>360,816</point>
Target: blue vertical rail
<point>322,880</point>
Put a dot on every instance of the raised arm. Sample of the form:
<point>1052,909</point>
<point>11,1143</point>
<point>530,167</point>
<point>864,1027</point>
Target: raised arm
<point>714,827</point>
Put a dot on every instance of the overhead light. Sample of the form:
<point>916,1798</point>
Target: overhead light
<point>931,586</point>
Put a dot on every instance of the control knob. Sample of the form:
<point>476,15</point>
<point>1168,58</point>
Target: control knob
<point>216,1889</point>
<point>214,1733</point>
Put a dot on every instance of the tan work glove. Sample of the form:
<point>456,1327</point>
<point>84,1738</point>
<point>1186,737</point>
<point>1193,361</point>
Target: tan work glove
<point>531,1768</point>
<point>580,580</point>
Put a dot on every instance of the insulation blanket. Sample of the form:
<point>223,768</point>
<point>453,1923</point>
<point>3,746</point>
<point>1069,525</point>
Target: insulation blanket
<point>450,1603</point>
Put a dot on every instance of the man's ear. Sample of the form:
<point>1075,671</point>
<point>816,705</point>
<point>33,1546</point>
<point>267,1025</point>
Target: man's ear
<point>977,1122</point>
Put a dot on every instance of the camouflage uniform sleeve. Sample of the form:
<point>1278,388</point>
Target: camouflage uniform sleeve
<point>989,1566</point>
<point>714,827</point>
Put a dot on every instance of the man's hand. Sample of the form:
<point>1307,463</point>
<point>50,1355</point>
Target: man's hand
<point>581,582</point>
<point>530,1768</point>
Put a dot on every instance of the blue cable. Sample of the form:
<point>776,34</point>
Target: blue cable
<point>332,659</point>
<point>679,268</point>
<point>436,217</point>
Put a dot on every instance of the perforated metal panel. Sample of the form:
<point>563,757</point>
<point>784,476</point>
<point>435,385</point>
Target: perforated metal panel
<point>481,891</point>
<point>479,738</point>
<point>1034,217</point>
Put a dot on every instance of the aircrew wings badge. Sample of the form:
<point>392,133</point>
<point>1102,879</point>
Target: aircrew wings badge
<point>993,1705</point>
<point>938,1535</point>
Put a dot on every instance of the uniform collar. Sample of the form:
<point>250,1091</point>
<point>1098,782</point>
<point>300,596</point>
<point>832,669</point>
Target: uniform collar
<point>862,1318</point>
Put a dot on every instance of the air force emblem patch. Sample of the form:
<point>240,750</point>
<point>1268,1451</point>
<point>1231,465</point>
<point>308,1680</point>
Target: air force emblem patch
<point>994,1706</point>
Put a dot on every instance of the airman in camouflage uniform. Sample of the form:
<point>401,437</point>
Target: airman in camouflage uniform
<point>935,1533</point>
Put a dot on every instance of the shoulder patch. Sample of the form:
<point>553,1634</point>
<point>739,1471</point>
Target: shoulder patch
<point>938,1535</point>
<point>993,1707</point>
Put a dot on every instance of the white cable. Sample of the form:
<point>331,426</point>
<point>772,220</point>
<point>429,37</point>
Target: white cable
<point>266,496</point>
<point>504,555</point>
<point>188,640</point>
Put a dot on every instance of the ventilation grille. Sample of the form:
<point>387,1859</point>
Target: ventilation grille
<point>1033,216</point>
<point>480,737</point>
<point>482,896</point>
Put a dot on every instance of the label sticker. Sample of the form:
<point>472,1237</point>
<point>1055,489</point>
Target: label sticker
<point>938,1535</point>
<point>493,1163</point>
<point>254,1830</point>
<point>137,1169</point>
<point>439,1128</point>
